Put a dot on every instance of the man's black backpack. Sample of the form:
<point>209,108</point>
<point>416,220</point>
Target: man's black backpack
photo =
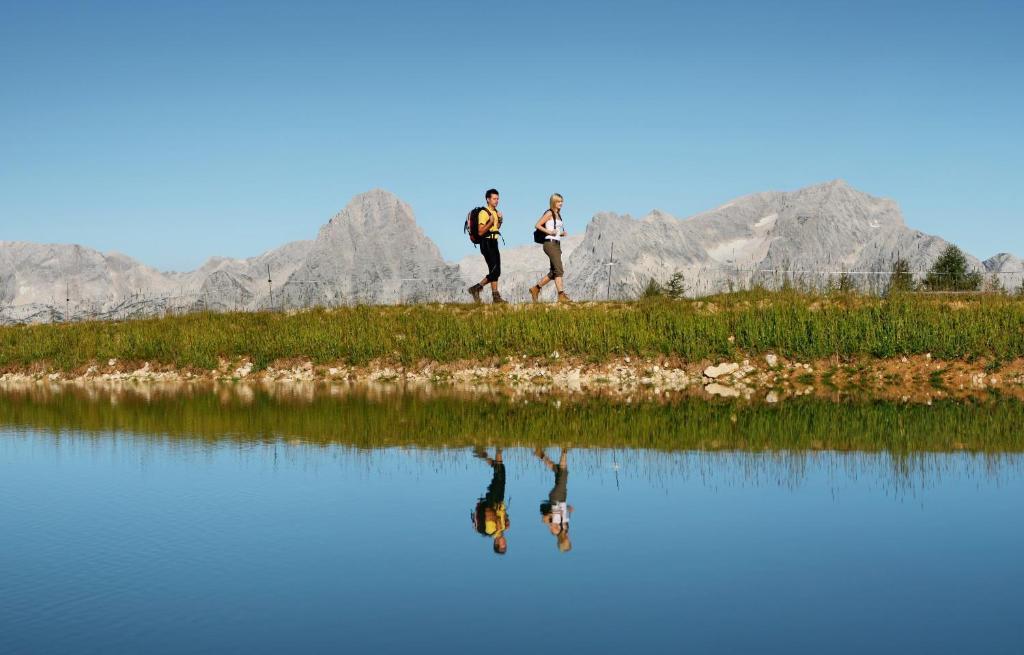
<point>472,226</point>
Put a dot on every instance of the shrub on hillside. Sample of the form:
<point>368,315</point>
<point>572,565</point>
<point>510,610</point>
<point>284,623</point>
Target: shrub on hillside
<point>949,273</point>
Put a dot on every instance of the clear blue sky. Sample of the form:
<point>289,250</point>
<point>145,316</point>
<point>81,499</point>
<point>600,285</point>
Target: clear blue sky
<point>175,131</point>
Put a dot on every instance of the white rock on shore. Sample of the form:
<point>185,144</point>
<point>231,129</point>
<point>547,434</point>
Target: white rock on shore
<point>715,372</point>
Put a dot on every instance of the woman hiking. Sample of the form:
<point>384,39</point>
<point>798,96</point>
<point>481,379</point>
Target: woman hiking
<point>550,225</point>
<point>556,512</point>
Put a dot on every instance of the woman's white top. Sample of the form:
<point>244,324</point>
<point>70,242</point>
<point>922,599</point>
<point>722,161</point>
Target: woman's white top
<point>560,514</point>
<point>554,224</point>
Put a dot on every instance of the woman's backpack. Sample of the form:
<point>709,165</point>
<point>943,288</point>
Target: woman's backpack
<point>540,236</point>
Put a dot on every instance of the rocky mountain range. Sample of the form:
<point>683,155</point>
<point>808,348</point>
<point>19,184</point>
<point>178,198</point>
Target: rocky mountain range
<point>811,235</point>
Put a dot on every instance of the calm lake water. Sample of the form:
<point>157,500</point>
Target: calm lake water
<point>256,524</point>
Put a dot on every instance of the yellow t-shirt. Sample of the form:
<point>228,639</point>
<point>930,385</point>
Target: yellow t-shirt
<point>497,524</point>
<point>492,229</point>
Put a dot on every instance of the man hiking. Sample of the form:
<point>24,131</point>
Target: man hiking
<point>489,229</point>
<point>490,516</point>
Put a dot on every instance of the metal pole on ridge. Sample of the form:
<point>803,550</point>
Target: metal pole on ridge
<point>270,286</point>
<point>611,262</point>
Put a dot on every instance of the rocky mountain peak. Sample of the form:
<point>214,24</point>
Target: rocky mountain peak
<point>838,201</point>
<point>657,215</point>
<point>1001,259</point>
<point>376,208</point>
<point>372,251</point>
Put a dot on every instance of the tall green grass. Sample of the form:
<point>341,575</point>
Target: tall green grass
<point>788,323</point>
<point>407,421</point>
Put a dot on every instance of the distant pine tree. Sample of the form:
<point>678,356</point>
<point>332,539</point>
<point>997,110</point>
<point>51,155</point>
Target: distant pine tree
<point>653,289</point>
<point>949,273</point>
<point>675,288</point>
<point>995,285</point>
<point>901,280</point>
<point>845,283</point>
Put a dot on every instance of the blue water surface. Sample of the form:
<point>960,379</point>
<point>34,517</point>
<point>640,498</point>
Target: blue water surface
<point>114,543</point>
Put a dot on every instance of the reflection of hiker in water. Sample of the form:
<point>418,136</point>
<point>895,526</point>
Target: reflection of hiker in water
<point>555,512</point>
<point>490,518</point>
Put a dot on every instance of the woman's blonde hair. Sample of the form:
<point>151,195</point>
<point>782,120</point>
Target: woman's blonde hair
<point>551,203</point>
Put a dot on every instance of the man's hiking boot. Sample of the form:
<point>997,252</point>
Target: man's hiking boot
<point>497,299</point>
<point>475,292</point>
<point>563,297</point>
<point>535,292</point>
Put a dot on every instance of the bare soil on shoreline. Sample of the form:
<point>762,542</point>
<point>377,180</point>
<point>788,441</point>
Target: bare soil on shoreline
<point>766,378</point>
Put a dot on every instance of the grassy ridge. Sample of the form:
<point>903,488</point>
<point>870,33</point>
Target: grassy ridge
<point>402,420</point>
<point>789,323</point>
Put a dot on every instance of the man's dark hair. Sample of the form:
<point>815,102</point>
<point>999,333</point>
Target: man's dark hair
<point>491,192</point>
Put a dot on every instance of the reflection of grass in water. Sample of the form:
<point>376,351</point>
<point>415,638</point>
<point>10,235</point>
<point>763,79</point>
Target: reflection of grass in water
<point>899,474</point>
<point>806,379</point>
<point>789,323</point>
<point>804,424</point>
<point>827,380</point>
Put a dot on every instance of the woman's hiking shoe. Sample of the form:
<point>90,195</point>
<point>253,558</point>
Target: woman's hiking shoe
<point>497,299</point>
<point>562,297</point>
<point>475,292</point>
<point>535,292</point>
